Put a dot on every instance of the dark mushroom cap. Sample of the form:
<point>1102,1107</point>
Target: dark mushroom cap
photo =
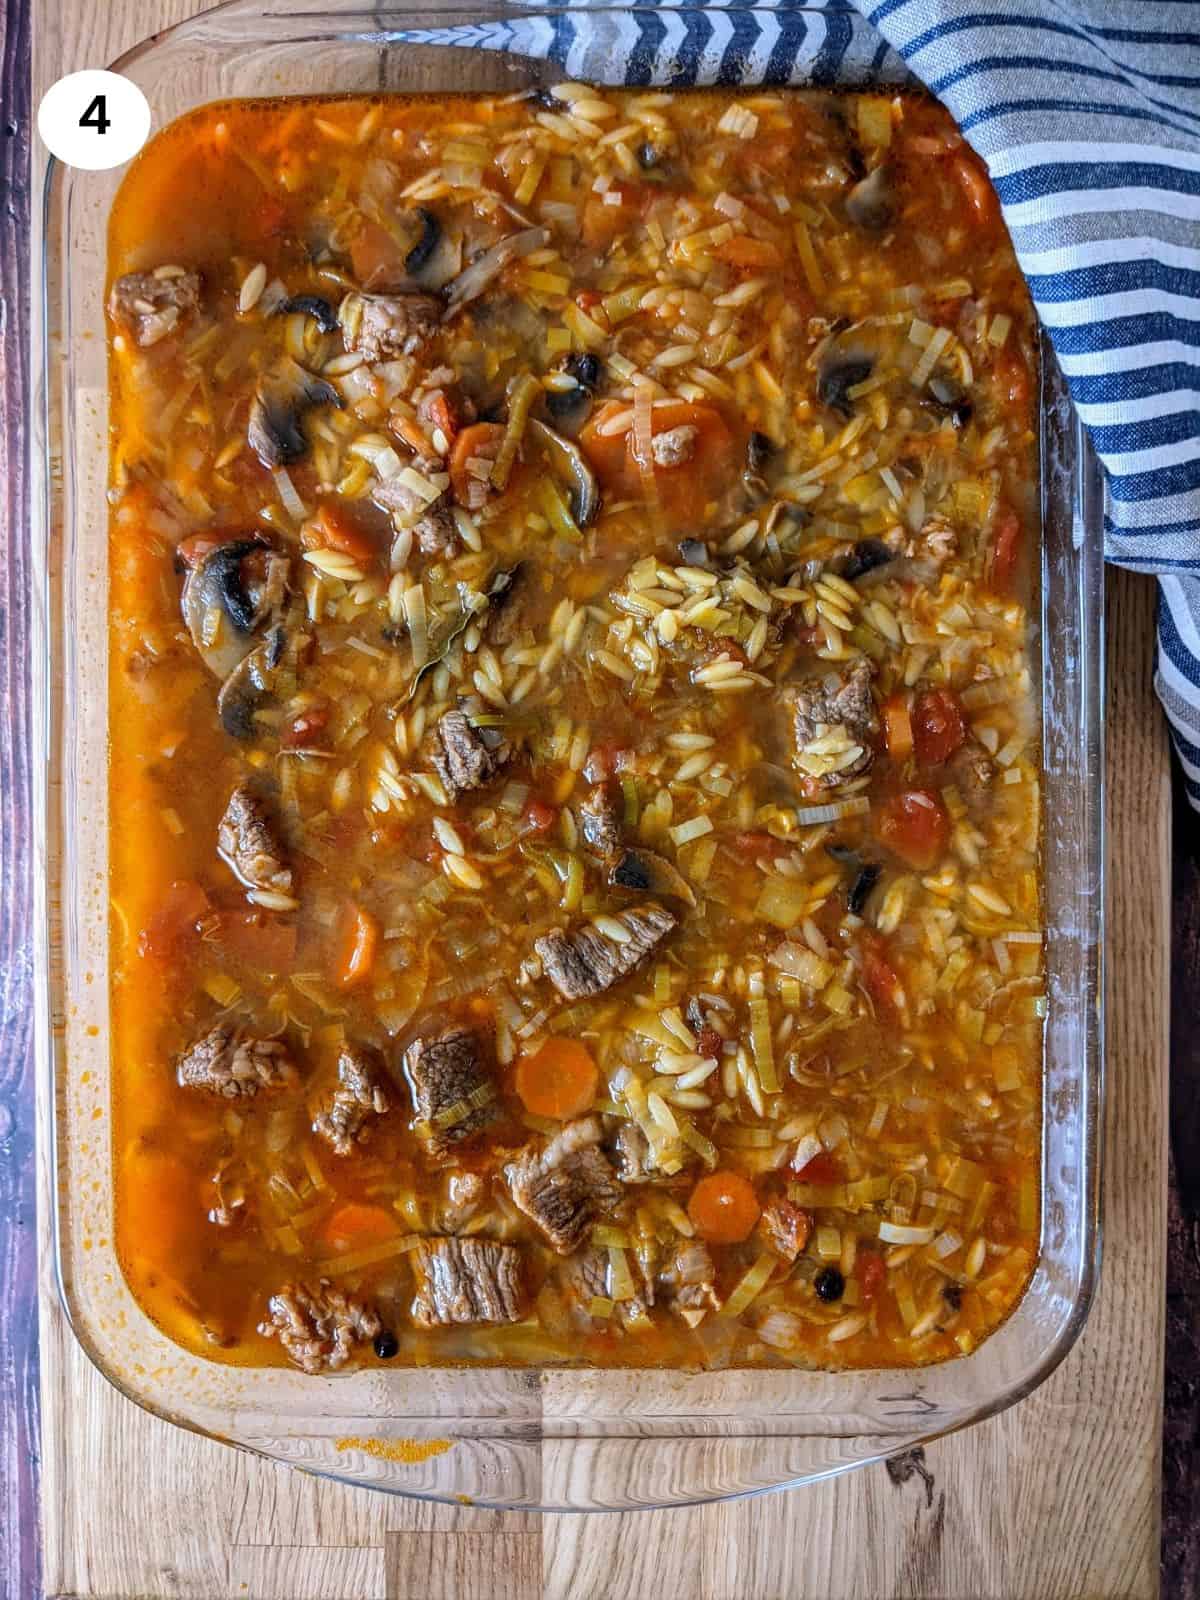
<point>311,305</point>
<point>871,204</point>
<point>281,399</point>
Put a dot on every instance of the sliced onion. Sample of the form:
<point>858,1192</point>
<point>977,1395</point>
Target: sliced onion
<point>473,280</point>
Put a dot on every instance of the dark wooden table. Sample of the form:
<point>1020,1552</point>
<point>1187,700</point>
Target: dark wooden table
<point>19,1434</point>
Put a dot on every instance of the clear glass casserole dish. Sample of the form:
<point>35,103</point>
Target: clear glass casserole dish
<point>552,1439</point>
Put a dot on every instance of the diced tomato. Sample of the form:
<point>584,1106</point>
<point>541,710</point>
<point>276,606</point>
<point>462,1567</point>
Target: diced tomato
<point>335,528</point>
<point>914,826</point>
<point>539,816</point>
<point>821,1168</point>
<point>605,760</point>
<point>258,940</point>
<point>1006,550</point>
<point>174,926</point>
<point>757,844</point>
<point>968,170</point>
<point>1012,378</point>
<point>588,299</point>
<point>709,1043</point>
<point>606,218</point>
<point>376,257</point>
<point>938,726</point>
<point>748,254</point>
<point>870,1272</point>
<point>306,730</point>
<point>879,976</point>
<point>270,217</point>
<point>439,410</point>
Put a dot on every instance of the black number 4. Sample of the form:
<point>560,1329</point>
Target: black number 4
<point>96,116</point>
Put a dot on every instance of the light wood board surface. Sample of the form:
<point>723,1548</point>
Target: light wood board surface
<point>1058,1499</point>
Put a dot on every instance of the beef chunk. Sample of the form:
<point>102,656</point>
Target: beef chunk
<point>383,326</point>
<point>359,1097</point>
<point>971,768</point>
<point>691,1278</point>
<point>466,1280</point>
<point>564,1187</point>
<point>320,1328</point>
<point>585,1278</point>
<point>453,1096</point>
<point>467,757</point>
<point>835,722</point>
<point>437,532</point>
<point>232,1064</point>
<point>936,542</point>
<point>464,1196</point>
<point>150,305</point>
<point>601,821</point>
<point>588,961</point>
<point>247,843</point>
<point>675,447</point>
<point>785,1227</point>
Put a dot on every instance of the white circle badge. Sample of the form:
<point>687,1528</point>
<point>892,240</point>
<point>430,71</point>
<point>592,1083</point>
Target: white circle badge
<point>94,119</point>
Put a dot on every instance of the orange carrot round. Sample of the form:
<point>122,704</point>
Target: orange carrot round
<point>558,1080</point>
<point>355,1226</point>
<point>356,954</point>
<point>480,441</point>
<point>724,1207</point>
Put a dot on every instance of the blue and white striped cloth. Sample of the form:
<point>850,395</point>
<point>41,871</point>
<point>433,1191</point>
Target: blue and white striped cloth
<point>1087,113</point>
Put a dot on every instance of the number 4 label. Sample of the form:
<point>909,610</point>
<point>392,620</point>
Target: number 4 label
<point>94,119</point>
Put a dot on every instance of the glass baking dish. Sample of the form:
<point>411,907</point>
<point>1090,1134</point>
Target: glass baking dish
<point>552,1439</point>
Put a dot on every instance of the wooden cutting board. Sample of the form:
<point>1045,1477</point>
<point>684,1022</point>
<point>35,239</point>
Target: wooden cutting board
<point>1058,1499</point>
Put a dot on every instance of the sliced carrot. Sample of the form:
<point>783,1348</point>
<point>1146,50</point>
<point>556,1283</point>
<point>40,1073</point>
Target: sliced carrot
<point>355,1226</point>
<point>359,942</point>
<point>1006,548</point>
<point>1012,378</point>
<point>480,441</point>
<point>897,727</point>
<point>558,1080</point>
<point>724,1207</point>
<point>684,491</point>
<point>334,528</point>
<point>749,254</point>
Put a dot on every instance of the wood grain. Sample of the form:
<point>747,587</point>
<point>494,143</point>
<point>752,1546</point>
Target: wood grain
<point>18,1235</point>
<point>1056,1500</point>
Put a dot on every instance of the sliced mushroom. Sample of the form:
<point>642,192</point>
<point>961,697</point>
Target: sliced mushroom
<point>228,596</point>
<point>572,470</point>
<point>570,408</point>
<point>949,397</point>
<point>871,203</point>
<point>640,871</point>
<point>473,280</point>
<point>250,684</point>
<point>281,399</point>
<point>864,557</point>
<point>310,305</point>
<point>693,552</point>
<point>848,358</point>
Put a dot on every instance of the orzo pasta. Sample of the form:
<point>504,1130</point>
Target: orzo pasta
<point>574,775</point>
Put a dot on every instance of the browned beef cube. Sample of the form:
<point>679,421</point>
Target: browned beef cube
<point>466,1281</point>
<point>453,1093</point>
<point>320,1328</point>
<point>234,1064</point>
<point>840,699</point>
<point>588,961</point>
<point>383,326</point>
<point>565,1186</point>
<point>151,305</point>
<point>359,1097</point>
<point>785,1227</point>
<point>247,843</point>
<point>467,757</point>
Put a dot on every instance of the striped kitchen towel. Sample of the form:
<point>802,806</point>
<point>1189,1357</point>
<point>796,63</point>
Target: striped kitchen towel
<point>1087,113</point>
